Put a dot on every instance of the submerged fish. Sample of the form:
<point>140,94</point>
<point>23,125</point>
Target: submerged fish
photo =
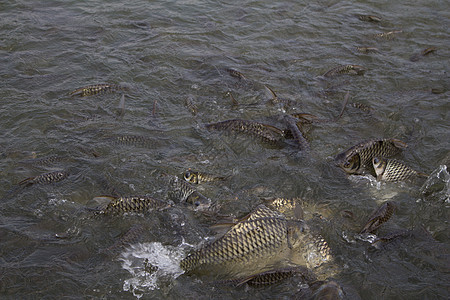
<point>361,106</point>
<point>190,104</point>
<point>236,74</point>
<point>133,235</point>
<point>43,161</point>
<point>379,216</point>
<point>330,290</point>
<point>122,205</point>
<point>358,158</point>
<point>200,177</point>
<point>345,69</point>
<point>181,191</point>
<point>97,89</point>
<point>267,133</point>
<point>424,52</point>
<point>133,140</point>
<point>369,18</point>
<point>45,178</point>
<point>262,234</point>
<point>366,50</point>
<point>388,35</point>
<point>393,170</point>
<point>275,99</point>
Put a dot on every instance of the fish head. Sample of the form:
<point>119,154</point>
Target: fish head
<point>350,165</point>
<point>329,290</point>
<point>379,165</point>
<point>358,70</point>
<point>191,177</point>
<point>199,202</point>
<point>308,247</point>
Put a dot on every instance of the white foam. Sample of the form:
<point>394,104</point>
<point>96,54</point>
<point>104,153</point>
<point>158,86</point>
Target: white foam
<point>165,258</point>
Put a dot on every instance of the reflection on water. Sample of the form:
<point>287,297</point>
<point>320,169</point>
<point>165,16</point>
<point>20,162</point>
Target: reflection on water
<point>174,58</point>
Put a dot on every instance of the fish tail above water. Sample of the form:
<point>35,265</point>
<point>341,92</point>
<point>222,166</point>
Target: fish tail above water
<point>379,217</point>
<point>298,137</point>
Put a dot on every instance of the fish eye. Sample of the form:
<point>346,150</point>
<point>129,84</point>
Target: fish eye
<point>376,160</point>
<point>197,203</point>
<point>347,164</point>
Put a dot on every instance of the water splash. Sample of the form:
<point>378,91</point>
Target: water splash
<point>437,186</point>
<point>164,262</point>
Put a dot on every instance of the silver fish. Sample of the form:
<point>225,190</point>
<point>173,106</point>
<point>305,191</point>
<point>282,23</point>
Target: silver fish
<point>120,205</point>
<point>200,177</point>
<point>181,191</point>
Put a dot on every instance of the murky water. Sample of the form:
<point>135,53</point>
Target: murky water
<point>170,53</point>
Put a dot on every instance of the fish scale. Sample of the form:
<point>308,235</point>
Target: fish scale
<point>46,178</point>
<point>393,170</point>
<point>249,239</point>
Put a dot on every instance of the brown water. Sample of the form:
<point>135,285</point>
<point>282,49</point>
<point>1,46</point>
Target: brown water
<point>169,51</point>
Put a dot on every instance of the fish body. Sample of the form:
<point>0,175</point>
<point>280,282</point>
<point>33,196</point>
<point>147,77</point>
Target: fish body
<point>133,140</point>
<point>260,236</point>
<point>200,177</point>
<point>236,74</point>
<point>345,70</point>
<point>361,106</point>
<point>192,107</point>
<point>380,216</point>
<point>267,133</point>
<point>133,235</point>
<point>138,204</point>
<point>257,235</point>
<point>388,35</point>
<point>46,178</point>
<point>369,18</point>
<point>275,276</point>
<point>416,57</point>
<point>358,158</point>
<point>393,170</point>
<point>330,290</point>
<point>91,90</point>
<point>366,50</point>
<point>181,191</point>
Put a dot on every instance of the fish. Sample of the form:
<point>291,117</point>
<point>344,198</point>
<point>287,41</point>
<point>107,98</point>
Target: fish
<point>44,161</point>
<point>380,216</point>
<point>393,170</point>
<point>132,236</point>
<point>292,127</point>
<point>133,140</point>
<point>200,177</point>
<point>265,132</point>
<point>274,276</point>
<point>424,52</point>
<point>95,89</point>
<point>345,70</point>
<point>182,192</point>
<point>366,50</point>
<point>120,205</point>
<point>46,178</point>
<point>358,158</point>
<point>260,235</point>
<point>361,106</point>
<point>233,101</point>
<point>275,99</point>
<point>191,106</point>
<point>330,290</point>
<point>388,35</point>
<point>369,18</point>
<point>235,73</point>
<point>287,206</point>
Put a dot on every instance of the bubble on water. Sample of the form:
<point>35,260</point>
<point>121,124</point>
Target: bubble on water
<point>164,262</point>
<point>437,186</point>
